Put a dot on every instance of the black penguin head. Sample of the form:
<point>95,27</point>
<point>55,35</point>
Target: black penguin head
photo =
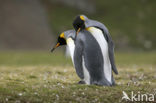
<point>60,41</point>
<point>79,23</point>
<point>63,38</point>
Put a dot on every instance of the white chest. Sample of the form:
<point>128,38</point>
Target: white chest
<point>71,47</point>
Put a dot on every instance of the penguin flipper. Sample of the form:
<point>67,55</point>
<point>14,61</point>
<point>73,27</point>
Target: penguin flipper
<point>111,55</point>
<point>78,58</point>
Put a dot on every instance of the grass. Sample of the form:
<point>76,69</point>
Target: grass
<point>39,77</point>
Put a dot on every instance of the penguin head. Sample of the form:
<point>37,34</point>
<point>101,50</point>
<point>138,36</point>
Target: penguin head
<point>79,22</point>
<point>62,39</point>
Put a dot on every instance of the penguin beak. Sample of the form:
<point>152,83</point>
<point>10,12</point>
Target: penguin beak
<point>78,31</point>
<point>57,45</point>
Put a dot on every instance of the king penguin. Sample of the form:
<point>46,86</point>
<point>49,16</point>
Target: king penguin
<point>102,36</point>
<point>86,56</point>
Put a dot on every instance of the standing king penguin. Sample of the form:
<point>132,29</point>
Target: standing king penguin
<point>86,56</point>
<point>102,36</point>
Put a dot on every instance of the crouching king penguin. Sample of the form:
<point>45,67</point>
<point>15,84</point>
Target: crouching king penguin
<point>104,40</point>
<point>86,56</point>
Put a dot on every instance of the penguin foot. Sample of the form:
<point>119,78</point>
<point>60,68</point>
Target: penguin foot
<point>81,82</point>
<point>101,83</point>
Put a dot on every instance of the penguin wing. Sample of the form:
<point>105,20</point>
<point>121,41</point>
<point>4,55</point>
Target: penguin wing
<point>111,56</point>
<point>108,38</point>
<point>78,58</point>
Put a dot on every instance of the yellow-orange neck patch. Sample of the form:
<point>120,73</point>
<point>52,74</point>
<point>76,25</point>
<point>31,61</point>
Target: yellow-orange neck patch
<point>88,28</point>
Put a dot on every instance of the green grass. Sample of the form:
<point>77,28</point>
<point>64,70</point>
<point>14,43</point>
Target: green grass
<point>39,77</point>
<point>33,58</point>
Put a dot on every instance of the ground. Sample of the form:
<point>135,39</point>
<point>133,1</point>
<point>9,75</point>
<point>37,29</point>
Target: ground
<point>40,77</point>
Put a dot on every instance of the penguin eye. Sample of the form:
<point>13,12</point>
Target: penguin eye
<point>62,41</point>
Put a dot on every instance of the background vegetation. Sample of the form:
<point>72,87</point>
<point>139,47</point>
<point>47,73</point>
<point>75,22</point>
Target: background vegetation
<point>130,22</point>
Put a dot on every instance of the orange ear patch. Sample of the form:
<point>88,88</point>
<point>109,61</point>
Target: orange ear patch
<point>62,35</point>
<point>82,18</point>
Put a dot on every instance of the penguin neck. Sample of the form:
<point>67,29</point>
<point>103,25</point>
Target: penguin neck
<point>71,46</point>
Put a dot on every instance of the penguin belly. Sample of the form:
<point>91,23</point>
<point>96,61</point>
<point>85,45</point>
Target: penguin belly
<point>98,35</point>
<point>71,47</point>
